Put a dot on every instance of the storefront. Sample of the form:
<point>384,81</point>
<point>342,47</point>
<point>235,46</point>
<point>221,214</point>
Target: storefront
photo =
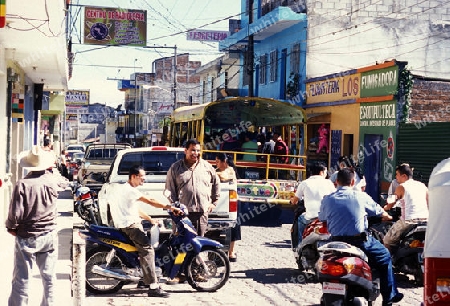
<point>353,113</point>
<point>378,126</point>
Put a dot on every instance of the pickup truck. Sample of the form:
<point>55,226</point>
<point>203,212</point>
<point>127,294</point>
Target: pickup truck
<point>156,162</point>
<point>96,163</point>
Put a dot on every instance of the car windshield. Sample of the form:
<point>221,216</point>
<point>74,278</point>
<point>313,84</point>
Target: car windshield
<point>154,162</point>
<point>70,155</point>
<point>81,148</point>
<point>78,156</point>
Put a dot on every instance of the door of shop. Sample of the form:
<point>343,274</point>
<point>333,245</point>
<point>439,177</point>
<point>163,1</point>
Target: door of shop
<point>372,164</point>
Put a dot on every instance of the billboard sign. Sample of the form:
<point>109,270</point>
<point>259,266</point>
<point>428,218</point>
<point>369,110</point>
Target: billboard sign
<point>206,35</point>
<point>77,98</point>
<point>115,26</point>
<point>164,108</point>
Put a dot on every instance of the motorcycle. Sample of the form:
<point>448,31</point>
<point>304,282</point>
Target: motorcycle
<point>86,204</point>
<point>346,277</point>
<point>407,256</point>
<point>114,261</point>
<point>314,235</point>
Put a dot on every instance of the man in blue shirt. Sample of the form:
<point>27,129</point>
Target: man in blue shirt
<point>346,212</point>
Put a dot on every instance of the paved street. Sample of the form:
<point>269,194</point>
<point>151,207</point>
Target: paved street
<point>265,273</point>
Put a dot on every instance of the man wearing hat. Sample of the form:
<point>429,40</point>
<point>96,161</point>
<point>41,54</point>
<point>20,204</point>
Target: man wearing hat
<point>32,220</point>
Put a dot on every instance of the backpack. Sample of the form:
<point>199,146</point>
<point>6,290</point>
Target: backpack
<point>281,148</point>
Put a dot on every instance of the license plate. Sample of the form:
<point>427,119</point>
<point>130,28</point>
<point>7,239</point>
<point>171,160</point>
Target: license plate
<point>333,288</point>
<point>420,258</point>
<point>252,175</point>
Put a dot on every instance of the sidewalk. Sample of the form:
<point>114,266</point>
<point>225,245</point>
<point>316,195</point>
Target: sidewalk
<point>63,266</point>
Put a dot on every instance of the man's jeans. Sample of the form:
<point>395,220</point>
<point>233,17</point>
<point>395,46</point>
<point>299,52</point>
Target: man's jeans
<point>42,250</point>
<point>380,258</point>
<point>302,222</point>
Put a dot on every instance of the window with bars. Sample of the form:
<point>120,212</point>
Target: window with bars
<point>263,69</point>
<point>295,58</point>
<point>273,65</point>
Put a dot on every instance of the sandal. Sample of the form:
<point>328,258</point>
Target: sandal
<point>232,257</point>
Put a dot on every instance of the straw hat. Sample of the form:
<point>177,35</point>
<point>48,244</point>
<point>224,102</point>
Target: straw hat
<point>36,159</point>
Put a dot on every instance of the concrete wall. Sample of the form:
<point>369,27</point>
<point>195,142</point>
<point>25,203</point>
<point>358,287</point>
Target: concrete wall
<point>351,34</point>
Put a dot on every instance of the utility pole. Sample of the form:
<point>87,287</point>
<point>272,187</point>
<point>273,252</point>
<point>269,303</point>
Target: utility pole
<point>250,51</point>
<point>175,78</point>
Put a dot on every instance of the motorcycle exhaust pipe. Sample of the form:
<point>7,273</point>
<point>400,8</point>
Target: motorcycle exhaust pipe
<point>108,273</point>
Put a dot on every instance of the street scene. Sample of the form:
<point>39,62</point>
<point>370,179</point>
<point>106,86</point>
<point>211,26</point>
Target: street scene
<point>250,152</point>
<point>264,274</point>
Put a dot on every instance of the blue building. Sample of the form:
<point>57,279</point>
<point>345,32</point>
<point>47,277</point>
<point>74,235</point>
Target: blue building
<point>274,39</point>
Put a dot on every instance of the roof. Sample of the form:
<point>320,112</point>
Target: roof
<point>262,111</point>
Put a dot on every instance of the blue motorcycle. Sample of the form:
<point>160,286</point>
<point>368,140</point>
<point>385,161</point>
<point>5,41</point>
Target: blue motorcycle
<point>113,261</point>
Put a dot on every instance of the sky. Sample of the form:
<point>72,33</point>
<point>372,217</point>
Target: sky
<point>94,64</point>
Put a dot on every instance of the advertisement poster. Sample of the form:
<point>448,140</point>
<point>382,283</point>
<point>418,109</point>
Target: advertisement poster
<point>115,26</point>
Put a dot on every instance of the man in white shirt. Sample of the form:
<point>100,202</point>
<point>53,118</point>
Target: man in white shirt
<point>344,162</point>
<point>312,190</point>
<point>127,216</point>
<point>413,198</point>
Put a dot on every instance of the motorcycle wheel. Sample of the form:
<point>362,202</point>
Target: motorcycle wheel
<point>97,283</point>
<point>418,276</point>
<point>332,300</point>
<point>87,214</point>
<point>207,271</point>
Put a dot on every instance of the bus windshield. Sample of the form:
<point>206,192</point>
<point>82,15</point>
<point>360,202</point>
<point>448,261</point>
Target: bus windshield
<point>264,137</point>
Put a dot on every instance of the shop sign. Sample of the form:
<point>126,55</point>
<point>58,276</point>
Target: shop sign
<point>206,35</point>
<point>377,114</point>
<point>336,87</point>
<point>71,117</point>
<point>77,98</point>
<point>115,26</point>
<point>380,82</point>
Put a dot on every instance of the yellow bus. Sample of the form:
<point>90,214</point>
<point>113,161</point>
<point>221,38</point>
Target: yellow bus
<point>263,179</point>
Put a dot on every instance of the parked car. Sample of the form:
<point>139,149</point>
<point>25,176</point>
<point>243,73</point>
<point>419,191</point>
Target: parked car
<point>156,162</point>
<point>75,147</point>
<point>96,163</point>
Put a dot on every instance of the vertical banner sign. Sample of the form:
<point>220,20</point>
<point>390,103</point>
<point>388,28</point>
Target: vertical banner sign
<point>336,141</point>
<point>2,13</point>
<point>115,26</point>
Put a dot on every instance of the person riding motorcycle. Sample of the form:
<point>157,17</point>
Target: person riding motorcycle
<point>126,215</point>
<point>346,212</point>
<point>312,190</point>
<point>413,198</point>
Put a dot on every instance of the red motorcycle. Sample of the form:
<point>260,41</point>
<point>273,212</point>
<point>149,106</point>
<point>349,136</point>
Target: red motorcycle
<point>314,235</point>
<point>346,277</point>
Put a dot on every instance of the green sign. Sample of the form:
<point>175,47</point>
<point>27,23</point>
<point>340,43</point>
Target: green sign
<point>380,82</point>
